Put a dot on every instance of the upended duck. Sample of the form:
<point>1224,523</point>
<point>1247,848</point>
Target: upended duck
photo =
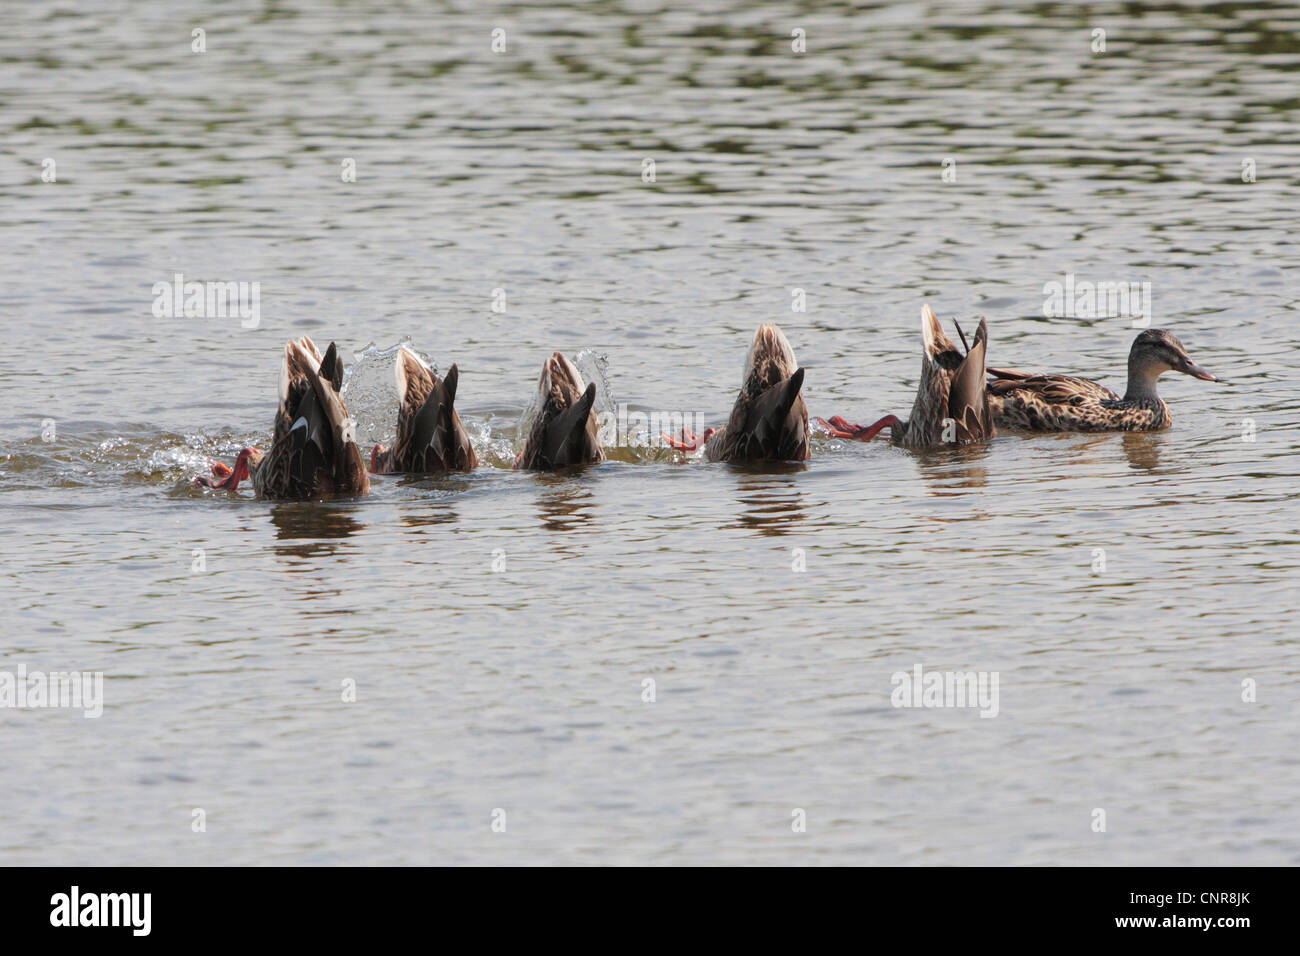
<point>769,421</point>
<point>565,430</point>
<point>952,406</point>
<point>313,449</point>
<point>1066,403</point>
<point>430,436</point>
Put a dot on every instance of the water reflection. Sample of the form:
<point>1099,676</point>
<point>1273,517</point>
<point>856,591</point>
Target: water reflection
<point>566,506</point>
<point>773,504</point>
<point>949,471</point>
<point>1142,450</point>
<point>427,512</point>
<point>314,528</point>
<point>433,499</point>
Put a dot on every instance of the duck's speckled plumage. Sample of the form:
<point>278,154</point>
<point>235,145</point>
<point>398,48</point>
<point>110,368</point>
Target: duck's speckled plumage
<point>769,421</point>
<point>430,436</point>
<point>1067,403</point>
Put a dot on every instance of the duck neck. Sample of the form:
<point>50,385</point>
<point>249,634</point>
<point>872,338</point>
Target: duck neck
<point>1142,376</point>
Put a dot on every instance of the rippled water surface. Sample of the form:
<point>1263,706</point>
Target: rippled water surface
<point>499,627</point>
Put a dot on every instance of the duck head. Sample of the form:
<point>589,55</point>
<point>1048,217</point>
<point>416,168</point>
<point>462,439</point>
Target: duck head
<point>1155,352</point>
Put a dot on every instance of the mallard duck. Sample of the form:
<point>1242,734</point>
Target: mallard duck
<point>430,436</point>
<point>313,449</point>
<point>952,405</point>
<point>769,421</point>
<point>565,430</point>
<point>1063,403</point>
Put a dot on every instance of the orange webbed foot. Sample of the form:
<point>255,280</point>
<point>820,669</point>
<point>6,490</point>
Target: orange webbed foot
<point>224,476</point>
<point>688,442</point>
<point>838,427</point>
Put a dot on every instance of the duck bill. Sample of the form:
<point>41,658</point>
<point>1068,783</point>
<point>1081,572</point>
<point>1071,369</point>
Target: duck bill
<point>1195,371</point>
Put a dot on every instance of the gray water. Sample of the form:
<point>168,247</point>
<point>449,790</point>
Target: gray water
<point>499,626</point>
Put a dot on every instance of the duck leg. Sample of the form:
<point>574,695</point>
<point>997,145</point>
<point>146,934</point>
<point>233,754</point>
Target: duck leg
<point>221,473</point>
<point>689,440</point>
<point>839,428</point>
<point>224,477</point>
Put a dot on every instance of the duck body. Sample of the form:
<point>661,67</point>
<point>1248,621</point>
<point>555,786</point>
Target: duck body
<point>565,430</point>
<point>1064,403</point>
<point>1067,403</point>
<point>431,438</point>
<point>951,405</point>
<point>769,420</point>
<point>313,451</point>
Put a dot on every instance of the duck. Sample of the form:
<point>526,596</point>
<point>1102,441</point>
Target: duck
<point>1065,403</point>
<point>565,430</point>
<point>769,420</point>
<point>430,436</point>
<point>313,449</point>
<point>952,405</point>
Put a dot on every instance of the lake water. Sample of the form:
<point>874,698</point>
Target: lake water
<point>500,627</point>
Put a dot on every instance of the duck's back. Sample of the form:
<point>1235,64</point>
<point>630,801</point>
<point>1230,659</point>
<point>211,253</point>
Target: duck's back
<point>1060,403</point>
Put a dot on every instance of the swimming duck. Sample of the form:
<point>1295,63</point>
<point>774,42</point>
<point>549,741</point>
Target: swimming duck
<point>1063,403</point>
<point>565,430</point>
<point>313,449</point>
<point>952,405</point>
<point>430,436</point>
<point>769,421</point>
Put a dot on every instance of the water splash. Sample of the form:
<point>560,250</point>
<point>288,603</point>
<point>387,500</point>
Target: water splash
<point>494,446</point>
<point>594,367</point>
<point>370,391</point>
<point>136,454</point>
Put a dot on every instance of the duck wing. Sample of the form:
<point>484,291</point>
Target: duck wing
<point>572,437</point>
<point>968,401</point>
<point>347,473</point>
<point>771,427</point>
<point>430,435</point>
<point>1049,389</point>
<point>299,355</point>
<point>438,440</point>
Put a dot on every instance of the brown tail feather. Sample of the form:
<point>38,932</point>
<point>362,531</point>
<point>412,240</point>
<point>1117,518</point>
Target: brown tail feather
<point>967,398</point>
<point>567,440</point>
<point>438,439</point>
<point>771,431</point>
<point>331,367</point>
